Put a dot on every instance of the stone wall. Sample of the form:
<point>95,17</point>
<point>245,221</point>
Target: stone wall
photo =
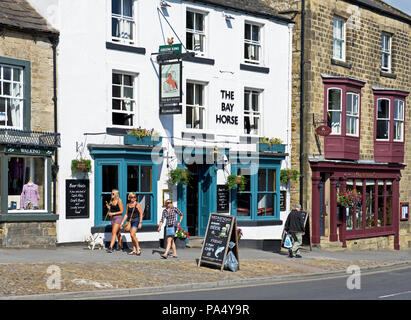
<point>28,235</point>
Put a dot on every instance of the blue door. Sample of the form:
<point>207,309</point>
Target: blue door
<point>207,194</point>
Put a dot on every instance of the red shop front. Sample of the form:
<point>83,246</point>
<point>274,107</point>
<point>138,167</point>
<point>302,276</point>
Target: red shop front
<point>378,213</point>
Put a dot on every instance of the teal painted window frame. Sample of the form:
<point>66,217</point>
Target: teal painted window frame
<point>254,192</point>
<point>26,66</point>
<point>122,163</point>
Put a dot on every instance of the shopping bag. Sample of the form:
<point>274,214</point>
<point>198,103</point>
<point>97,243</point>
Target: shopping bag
<point>288,242</point>
<point>231,262</point>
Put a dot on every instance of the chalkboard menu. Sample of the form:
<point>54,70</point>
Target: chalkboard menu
<point>223,199</point>
<point>221,230</point>
<point>283,200</point>
<point>77,199</point>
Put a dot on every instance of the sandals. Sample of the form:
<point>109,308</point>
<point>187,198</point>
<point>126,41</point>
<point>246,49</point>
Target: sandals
<point>131,253</point>
<point>138,252</point>
<point>164,257</point>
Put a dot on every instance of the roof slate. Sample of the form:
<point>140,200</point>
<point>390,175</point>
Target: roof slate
<point>21,15</point>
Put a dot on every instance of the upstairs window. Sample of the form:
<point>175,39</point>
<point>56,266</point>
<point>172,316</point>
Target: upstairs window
<point>252,43</point>
<point>352,114</point>
<point>383,119</point>
<point>339,39</point>
<point>334,110</point>
<point>252,111</point>
<point>11,97</point>
<point>195,106</point>
<point>122,21</point>
<point>398,120</point>
<point>195,31</point>
<point>123,99</point>
<point>386,52</point>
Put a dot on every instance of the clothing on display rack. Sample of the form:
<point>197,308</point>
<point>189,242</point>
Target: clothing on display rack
<point>30,196</point>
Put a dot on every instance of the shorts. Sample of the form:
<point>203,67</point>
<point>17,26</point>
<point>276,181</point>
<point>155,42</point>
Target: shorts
<point>135,223</point>
<point>171,231</point>
<point>116,219</point>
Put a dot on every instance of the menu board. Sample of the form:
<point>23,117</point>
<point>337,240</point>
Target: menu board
<point>283,200</point>
<point>223,199</point>
<point>77,199</point>
<point>221,229</point>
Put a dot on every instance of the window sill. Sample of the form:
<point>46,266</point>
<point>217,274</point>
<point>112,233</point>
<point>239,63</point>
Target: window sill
<point>341,63</point>
<point>125,48</point>
<point>254,68</point>
<point>28,217</point>
<point>199,60</point>
<point>258,223</point>
<point>388,74</point>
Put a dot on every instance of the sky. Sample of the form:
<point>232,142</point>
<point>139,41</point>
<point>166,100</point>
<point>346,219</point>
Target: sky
<point>403,5</point>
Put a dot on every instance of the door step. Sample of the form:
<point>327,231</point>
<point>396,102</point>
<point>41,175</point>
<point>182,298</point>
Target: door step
<point>195,242</point>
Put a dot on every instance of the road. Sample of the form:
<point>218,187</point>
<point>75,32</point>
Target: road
<point>389,284</point>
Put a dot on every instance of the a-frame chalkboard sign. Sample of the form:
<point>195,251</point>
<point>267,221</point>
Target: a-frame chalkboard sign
<point>221,229</point>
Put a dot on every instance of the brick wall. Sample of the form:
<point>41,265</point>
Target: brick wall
<point>28,235</point>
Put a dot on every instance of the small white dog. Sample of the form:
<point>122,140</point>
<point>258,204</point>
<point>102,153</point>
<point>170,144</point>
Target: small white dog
<point>95,240</point>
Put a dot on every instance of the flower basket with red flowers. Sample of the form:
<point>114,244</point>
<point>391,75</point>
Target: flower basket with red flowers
<point>351,198</point>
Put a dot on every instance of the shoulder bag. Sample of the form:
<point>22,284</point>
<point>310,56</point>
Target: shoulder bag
<point>127,226</point>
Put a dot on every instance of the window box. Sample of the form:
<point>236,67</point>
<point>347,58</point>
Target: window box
<point>144,141</point>
<point>280,148</point>
<point>342,113</point>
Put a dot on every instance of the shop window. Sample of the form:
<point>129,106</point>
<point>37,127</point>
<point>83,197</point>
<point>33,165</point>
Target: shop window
<point>339,39</point>
<point>252,43</point>
<point>139,181</point>
<point>123,21</point>
<point>334,109</point>
<point>244,198</point>
<point>195,32</point>
<point>26,183</point>
<point>123,99</point>
<point>110,182</point>
<point>370,204</point>
<point>383,119</point>
<point>252,111</point>
<point>266,192</point>
<point>398,120</point>
<point>195,106</point>
<point>386,52</point>
<point>352,114</point>
<point>11,97</point>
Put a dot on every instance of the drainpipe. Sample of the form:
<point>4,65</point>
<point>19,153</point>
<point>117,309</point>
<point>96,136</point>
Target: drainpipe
<point>54,42</point>
<point>302,104</point>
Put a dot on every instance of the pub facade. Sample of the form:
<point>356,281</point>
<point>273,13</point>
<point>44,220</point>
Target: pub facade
<point>205,80</point>
<point>353,134</point>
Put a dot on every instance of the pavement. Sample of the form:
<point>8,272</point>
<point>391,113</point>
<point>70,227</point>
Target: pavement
<point>74,272</point>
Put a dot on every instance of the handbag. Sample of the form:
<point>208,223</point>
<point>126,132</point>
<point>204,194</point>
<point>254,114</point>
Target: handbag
<point>127,226</point>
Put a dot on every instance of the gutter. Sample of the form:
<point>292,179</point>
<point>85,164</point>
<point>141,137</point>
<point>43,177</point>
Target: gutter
<point>302,104</point>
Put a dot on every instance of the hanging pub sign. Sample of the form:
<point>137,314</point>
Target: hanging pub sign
<point>323,130</point>
<point>171,82</point>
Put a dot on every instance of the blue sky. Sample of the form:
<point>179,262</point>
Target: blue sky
<point>403,5</point>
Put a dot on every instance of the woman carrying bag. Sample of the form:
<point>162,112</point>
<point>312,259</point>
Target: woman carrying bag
<point>134,215</point>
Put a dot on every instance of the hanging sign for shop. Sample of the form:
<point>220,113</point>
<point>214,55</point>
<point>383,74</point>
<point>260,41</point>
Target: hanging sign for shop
<point>221,230</point>
<point>174,48</point>
<point>226,114</point>
<point>171,109</point>
<point>29,151</point>
<point>77,199</point>
<point>171,82</point>
<point>323,130</point>
<point>223,198</point>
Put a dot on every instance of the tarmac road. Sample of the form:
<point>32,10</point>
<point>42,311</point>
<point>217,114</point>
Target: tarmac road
<point>388,284</point>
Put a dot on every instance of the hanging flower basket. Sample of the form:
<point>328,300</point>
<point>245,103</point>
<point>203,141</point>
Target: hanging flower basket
<point>288,174</point>
<point>351,198</point>
<point>234,181</point>
<point>179,176</point>
<point>81,165</point>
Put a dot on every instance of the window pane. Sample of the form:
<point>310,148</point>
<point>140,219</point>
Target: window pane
<point>262,180</point>
<point>6,73</point>
<point>271,186</point>
<point>398,110</point>
<point>146,204</point>
<point>122,119</point>
<point>369,205</point>
<point>115,27</point>
<point>383,109</point>
<point>388,211</point>
<point>256,33</point>
<point>199,95</point>
<point>255,104</point>
<point>334,99</point>
<point>116,91</point>
<point>246,173</point>
<point>116,6</point>
<point>13,113</point>
<point>3,114</point>
<point>243,204</point>
<point>146,179</point>
<point>382,129</point>
<point>398,130</point>
<point>132,179</point>
<point>128,8</point>
<point>190,20</point>
<point>265,205</point>
<point>128,93</point>
<point>190,94</point>
<point>247,100</point>
<point>199,22</point>
<point>110,178</point>
<point>334,121</point>
<point>247,31</point>
<point>16,75</point>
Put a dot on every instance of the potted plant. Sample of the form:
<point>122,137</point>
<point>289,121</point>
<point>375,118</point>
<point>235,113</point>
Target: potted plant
<point>181,238</point>
<point>234,181</point>
<point>179,176</point>
<point>81,165</point>
<point>351,198</point>
<point>288,174</point>
<point>239,233</point>
<point>141,136</point>
<point>271,144</point>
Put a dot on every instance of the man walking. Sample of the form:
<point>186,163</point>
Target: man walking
<point>295,227</point>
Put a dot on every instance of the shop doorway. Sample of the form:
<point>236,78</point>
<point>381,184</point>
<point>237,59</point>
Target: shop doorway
<point>192,201</point>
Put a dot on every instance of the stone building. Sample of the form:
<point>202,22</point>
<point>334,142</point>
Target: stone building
<point>28,137</point>
<point>350,130</point>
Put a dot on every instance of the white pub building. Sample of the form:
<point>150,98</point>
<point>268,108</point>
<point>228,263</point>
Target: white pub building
<point>210,77</point>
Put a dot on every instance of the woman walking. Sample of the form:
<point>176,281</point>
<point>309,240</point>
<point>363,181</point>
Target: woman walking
<point>170,214</point>
<point>134,213</point>
<point>116,210</point>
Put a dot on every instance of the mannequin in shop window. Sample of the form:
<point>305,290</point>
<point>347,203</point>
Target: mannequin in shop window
<point>30,196</point>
